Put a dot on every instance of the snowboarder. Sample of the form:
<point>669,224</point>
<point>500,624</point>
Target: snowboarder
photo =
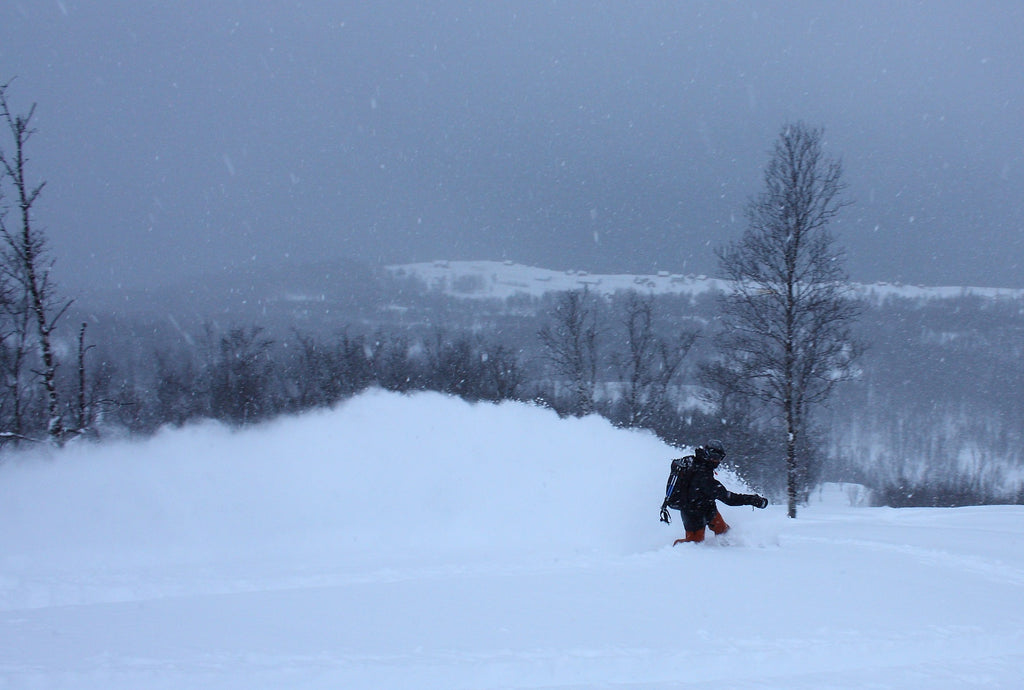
<point>692,490</point>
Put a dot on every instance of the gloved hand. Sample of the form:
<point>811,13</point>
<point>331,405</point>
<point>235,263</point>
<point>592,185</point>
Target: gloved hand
<point>760,502</point>
<point>665,517</point>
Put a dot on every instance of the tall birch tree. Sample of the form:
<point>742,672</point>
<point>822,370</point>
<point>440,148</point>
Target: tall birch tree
<point>787,336</point>
<point>26,258</point>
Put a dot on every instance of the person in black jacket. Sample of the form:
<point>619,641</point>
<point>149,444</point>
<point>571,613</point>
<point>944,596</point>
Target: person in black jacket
<point>692,490</point>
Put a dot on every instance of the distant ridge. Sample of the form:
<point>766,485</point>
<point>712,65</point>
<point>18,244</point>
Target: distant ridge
<point>504,279</point>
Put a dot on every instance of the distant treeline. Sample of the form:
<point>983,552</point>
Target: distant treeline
<point>936,417</point>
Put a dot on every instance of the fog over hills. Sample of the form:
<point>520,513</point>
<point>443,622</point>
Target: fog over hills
<point>616,137</point>
<point>340,290</point>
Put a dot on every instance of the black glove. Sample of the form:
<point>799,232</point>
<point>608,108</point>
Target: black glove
<point>665,517</point>
<point>760,502</point>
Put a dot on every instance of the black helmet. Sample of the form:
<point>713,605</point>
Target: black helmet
<point>715,451</point>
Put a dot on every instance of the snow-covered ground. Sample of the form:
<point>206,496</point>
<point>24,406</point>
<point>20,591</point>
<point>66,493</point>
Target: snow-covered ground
<point>422,542</point>
<point>501,280</point>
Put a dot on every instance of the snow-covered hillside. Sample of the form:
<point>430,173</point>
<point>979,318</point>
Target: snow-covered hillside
<point>501,280</point>
<point>422,542</point>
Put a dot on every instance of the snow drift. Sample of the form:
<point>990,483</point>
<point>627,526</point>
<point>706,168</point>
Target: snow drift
<point>413,477</point>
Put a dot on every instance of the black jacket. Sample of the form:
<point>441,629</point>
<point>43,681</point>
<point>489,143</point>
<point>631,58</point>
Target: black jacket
<point>692,490</point>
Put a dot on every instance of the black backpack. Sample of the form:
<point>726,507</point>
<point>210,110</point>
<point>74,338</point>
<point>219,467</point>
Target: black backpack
<point>677,488</point>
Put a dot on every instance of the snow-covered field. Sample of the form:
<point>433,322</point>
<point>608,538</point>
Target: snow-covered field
<point>422,542</point>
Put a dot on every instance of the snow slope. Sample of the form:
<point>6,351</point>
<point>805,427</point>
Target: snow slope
<point>422,542</point>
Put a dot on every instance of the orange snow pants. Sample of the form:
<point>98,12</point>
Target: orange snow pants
<point>718,525</point>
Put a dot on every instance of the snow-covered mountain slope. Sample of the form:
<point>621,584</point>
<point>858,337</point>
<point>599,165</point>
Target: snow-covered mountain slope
<point>501,280</point>
<point>423,542</point>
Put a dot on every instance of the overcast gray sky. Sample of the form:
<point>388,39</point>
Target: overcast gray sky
<point>188,136</point>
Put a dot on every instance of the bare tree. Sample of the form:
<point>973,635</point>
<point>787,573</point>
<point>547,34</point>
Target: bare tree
<point>503,375</point>
<point>787,338</point>
<point>452,365</point>
<point>571,345</point>
<point>650,362</point>
<point>471,368</point>
<point>176,398</point>
<point>392,364</point>
<point>239,377</point>
<point>26,259</point>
